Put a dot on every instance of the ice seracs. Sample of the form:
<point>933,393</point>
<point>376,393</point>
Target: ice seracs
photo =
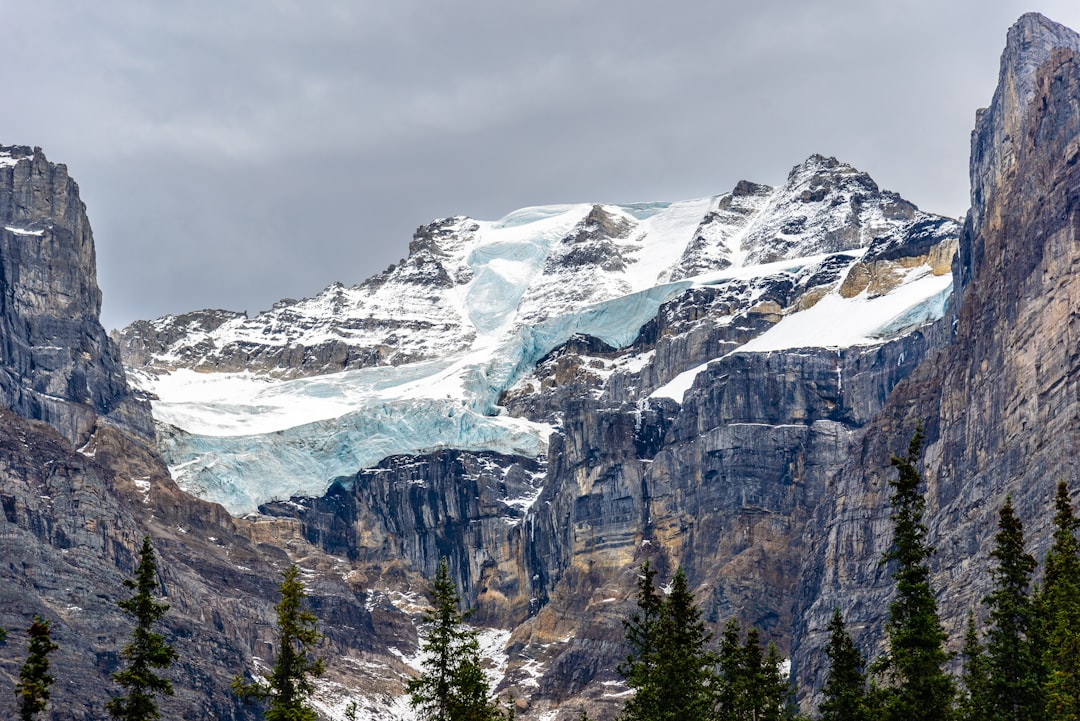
<point>417,357</point>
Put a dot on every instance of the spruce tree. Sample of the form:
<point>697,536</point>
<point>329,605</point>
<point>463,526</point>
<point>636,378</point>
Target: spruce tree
<point>733,687</point>
<point>639,668</point>
<point>451,686</point>
<point>32,690</point>
<point>1013,688</point>
<point>917,688</point>
<point>684,663</point>
<point>286,689</point>
<point>844,694</point>
<point>147,650</point>
<point>1059,615</point>
<point>974,704</point>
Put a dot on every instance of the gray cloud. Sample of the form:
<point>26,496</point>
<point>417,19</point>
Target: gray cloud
<point>233,153</point>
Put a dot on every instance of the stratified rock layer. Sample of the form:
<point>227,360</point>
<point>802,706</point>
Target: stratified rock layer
<point>56,362</point>
<point>1001,401</point>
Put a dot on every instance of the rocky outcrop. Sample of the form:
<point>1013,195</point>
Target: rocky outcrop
<point>1001,402</point>
<point>72,520</point>
<point>56,362</point>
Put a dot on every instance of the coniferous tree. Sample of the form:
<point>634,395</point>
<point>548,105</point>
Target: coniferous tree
<point>844,694</point>
<point>32,690</point>
<point>1059,615</point>
<point>974,704</point>
<point>733,688</point>
<point>147,650</point>
<point>684,663</point>
<point>286,689</point>
<point>639,668</point>
<point>451,686</point>
<point>749,684</point>
<point>1013,689</point>
<point>917,687</point>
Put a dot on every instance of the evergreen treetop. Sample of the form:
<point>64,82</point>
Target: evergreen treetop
<point>451,686</point>
<point>844,693</point>
<point>288,686</point>
<point>639,667</point>
<point>32,690</point>
<point>146,650</point>
<point>1058,615</point>
<point>917,688</point>
<point>1013,686</point>
<point>974,703</point>
<point>685,664</point>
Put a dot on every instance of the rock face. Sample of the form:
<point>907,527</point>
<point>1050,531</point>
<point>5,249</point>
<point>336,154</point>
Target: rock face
<point>1000,401</point>
<point>72,521</point>
<point>56,362</point>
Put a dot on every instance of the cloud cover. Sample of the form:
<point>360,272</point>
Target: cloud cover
<point>234,153</point>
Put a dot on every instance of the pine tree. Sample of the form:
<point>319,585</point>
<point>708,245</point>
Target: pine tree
<point>918,687</point>
<point>684,663</point>
<point>147,650</point>
<point>974,704</point>
<point>844,694</point>
<point>286,688</point>
<point>1059,615</point>
<point>32,690</point>
<point>451,686</point>
<point>1013,680</point>
<point>639,668</point>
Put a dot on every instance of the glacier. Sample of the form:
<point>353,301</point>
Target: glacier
<point>500,295</point>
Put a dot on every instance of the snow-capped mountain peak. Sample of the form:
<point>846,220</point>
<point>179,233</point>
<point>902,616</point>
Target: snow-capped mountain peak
<point>417,357</point>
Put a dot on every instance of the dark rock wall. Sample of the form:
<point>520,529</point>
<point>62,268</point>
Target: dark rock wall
<point>1001,404</point>
<point>56,362</point>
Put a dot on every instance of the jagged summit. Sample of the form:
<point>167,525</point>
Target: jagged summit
<point>419,356</point>
<point>1029,44</point>
<point>464,278</point>
<point>1033,42</point>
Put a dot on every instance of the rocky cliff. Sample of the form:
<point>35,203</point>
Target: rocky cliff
<point>80,484</point>
<point>1001,400</point>
<point>56,363</point>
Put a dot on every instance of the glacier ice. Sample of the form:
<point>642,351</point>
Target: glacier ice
<point>242,439</point>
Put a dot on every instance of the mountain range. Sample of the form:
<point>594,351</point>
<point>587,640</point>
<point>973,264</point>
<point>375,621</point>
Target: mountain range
<point>547,400</point>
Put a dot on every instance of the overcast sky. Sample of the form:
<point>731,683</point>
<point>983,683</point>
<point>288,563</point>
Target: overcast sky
<point>232,153</point>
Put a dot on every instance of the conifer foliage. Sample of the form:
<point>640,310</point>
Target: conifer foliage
<point>1013,688</point>
<point>917,687</point>
<point>642,636</point>
<point>32,690</point>
<point>684,661</point>
<point>1060,615</point>
<point>451,686</point>
<point>844,694</point>
<point>676,673</point>
<point>146,650</point>
<point>287,687</point>
<point>974,703</point>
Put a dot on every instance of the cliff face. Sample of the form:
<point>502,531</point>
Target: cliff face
<point>72,520</point>
<point>1001,401</point>
<point>56,362</point>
